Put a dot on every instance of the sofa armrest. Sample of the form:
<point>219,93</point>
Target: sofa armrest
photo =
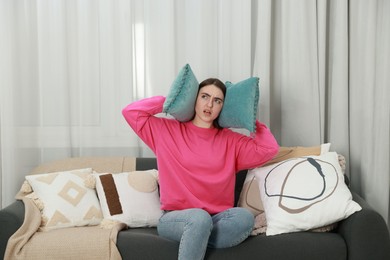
<point>365,233</point>
<point>11,219</point>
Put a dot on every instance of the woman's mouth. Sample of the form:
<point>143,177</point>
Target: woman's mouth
<point>207,112</point>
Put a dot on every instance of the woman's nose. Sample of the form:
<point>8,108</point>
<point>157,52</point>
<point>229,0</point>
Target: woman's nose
<point>210,102</point>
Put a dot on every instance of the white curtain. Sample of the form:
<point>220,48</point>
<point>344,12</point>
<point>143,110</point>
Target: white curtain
<point>68,67</point>
<point>369,99</point>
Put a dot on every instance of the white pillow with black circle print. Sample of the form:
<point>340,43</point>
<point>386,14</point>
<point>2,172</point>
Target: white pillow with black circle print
<point>304,193</point>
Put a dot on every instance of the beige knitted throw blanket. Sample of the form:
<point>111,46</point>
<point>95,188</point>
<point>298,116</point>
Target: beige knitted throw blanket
<point>91,242</point>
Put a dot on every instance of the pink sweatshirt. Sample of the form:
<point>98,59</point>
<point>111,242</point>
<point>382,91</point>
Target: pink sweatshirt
<point>196,165</point>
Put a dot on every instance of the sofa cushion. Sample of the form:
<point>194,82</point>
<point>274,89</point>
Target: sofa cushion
<point>136,244</point>
<point>240,105</point>
<point>64,199</point>
<point>130,197</point>
<point>303,193</point>
<point>250,195</point>
<point>180,101</point>
<point>145,243</point>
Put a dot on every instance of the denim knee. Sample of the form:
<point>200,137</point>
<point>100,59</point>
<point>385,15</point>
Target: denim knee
<point>190,227</point>
<point>200,218</point>
<point>231,227</point>
<point>247,219</point>
<point>173,224</point>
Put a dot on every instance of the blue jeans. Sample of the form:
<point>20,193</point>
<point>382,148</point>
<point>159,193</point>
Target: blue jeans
<point>196,229</point>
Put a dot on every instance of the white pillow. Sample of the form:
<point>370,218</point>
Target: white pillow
<point>130,197</point>
<point>250,194</point>
<point>67,202</point>
<point>304,193</point>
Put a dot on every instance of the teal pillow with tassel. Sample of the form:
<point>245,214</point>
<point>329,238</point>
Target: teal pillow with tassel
<point>240,106</point>
<point>180,101</point>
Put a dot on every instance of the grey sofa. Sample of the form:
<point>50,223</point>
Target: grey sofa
<point>364,235</point>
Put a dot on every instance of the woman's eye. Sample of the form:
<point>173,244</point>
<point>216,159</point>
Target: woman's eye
<point>205,97</point>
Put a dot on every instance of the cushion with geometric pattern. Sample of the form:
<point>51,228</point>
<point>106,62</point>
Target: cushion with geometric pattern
<point>65,200</point>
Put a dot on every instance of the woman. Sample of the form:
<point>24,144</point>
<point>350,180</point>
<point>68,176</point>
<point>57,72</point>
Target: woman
<point>197,161</point>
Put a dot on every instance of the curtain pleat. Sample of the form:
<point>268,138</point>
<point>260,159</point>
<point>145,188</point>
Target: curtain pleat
<point>369,101</point>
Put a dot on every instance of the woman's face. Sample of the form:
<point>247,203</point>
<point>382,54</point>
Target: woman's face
<point>208,106</point>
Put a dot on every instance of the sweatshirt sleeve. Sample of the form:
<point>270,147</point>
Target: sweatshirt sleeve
<point>254,152</point>
<point>140,116</point>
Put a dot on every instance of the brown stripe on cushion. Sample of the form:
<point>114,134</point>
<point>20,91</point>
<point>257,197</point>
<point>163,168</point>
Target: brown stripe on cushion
<point>112,197</point>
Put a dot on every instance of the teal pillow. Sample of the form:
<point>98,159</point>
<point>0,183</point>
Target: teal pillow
<point>180,101</point>
<point>240,106</point>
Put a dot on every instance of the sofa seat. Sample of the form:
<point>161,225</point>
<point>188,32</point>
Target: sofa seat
<point>144,243</point>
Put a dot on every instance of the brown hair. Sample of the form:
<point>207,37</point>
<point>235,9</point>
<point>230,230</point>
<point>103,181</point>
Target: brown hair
<point>219,84</point>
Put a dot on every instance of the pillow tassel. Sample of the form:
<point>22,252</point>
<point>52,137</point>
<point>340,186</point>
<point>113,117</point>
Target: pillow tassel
<point>90,182</point>
<point>26,187</point>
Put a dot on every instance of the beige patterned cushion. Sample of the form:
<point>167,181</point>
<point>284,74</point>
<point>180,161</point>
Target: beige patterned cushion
<point>65,200</point>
